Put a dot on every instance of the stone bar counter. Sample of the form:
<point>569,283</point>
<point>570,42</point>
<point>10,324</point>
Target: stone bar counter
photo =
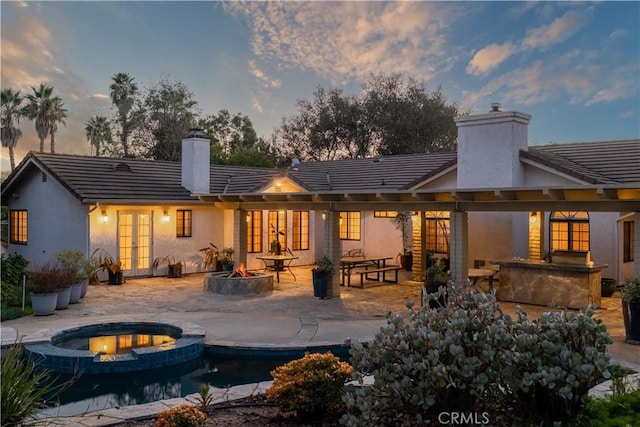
<point>541,283</point>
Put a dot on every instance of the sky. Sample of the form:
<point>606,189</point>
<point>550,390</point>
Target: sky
<point>574,66</point>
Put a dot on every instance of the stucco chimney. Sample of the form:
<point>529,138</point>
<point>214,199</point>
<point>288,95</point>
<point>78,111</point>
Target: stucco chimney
<point>489,148</point>
<point>195,162</point>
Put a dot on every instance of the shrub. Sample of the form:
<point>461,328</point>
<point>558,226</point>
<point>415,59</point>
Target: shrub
<point>49,277</point>
<point>611,411</point>
<point>469,356</point>
<point>309,386</point>
<point>23,388</point>
<point>13,268</point>
<point>74,262</point>
<point>182,416</point>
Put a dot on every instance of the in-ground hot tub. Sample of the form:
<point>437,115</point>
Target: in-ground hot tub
<point>221,283</point>
<point>117,347</point>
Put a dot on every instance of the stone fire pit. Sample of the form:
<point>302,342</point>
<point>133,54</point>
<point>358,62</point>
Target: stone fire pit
<point>222,284</point>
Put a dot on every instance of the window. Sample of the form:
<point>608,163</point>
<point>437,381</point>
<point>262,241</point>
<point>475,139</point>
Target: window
<point>18,223</point>
<point>254,231</point>
<point>628,241</point>
<point>183,223</point>
<point>385,214</point>
<point>569,231</point>
<point>277,229</point>
<point>349,225</point>
<point>300,238</point>
<point>438,227</point>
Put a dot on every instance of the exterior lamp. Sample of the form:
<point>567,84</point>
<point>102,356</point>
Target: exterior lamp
<point>165,216</point>
<point>533,217</point>
<point>248,217</point>
<point>105,217</point>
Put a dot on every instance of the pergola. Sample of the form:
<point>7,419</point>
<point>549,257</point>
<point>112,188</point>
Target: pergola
<point>459,202</point>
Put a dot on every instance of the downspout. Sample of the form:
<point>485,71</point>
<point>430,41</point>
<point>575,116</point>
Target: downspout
<point>91,210</point>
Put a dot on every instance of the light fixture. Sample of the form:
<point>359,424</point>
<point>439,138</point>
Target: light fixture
<point>248,217</point>
<point>533,217</point>
<point>324,214</point>
<point>105,217</point>
<point>414,216</point>
<point>165,216</point>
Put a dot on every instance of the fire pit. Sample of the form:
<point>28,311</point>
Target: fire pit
<point>238,282</point>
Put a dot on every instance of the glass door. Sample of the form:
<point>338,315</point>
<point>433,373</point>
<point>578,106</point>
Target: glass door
<point>134,242</point>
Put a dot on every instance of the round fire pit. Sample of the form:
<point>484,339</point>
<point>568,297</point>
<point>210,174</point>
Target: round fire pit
<point>222,284</point>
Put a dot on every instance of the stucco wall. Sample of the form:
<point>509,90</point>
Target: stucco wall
<point>56,220</point>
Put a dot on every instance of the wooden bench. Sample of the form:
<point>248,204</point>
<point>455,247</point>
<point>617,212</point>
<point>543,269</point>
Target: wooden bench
<point>364,274</point>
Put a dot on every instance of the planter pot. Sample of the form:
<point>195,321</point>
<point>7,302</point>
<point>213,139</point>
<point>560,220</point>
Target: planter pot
<point>227,267</point>
<point>174,271</point>
<point>116,278</point>
<point>85,287</point>
<point>608,287</point>
<point>320,282</point>
<point>44,304</point>
<point>407,262</point>
<point>631,317</point>
<point>76,291</point>
<point>64,295</point>
<point>432,287</point>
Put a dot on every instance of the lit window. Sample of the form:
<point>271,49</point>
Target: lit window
<point>277,230</point>
<point>569,231</point>
<point>628,241</point>
<point>18,223</point>
<point>349,225</point>
<point>385,214</point>
<point>183,223</point>
<point>438,227</point>
<point>254,231</point>
<point>300,238</point>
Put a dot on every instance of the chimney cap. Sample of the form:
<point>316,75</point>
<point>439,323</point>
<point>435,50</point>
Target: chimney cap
<point>196,133</point>
<point>495,107</point>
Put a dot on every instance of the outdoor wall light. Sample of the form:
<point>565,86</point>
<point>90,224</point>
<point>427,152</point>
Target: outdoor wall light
<point>248,217</point>
<point>533,217</point>
<point>165,216</point>
<point>105,217</point>
<point>414,216</point>
<point>324,215</point>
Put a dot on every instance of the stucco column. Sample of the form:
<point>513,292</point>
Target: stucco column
<point>419,247</point>
<point>636,246</point>
<point>459,246</point>
<point>239,237</point>
<point>332,250</point>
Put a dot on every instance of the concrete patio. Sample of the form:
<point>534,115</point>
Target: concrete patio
<point>289,317</point>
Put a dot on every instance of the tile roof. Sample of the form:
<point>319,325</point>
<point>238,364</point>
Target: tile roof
<point>604,162</point>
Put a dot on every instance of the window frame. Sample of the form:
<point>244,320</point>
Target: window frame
<point>19,226</point>
<point>300,231</point>
<point>628,241</point>
<point>440,221</point>
<point>385,214</point>
<point>574,221</point>
<point>254,232</point>
<point>348,230</point>
<point>184,226</point>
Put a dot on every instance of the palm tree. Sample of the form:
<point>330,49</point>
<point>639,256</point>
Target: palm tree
<point>11,111</point>
<point>38,109</point>
<point>57,115</point>
<point>123,91</point>
<point>98,131</point>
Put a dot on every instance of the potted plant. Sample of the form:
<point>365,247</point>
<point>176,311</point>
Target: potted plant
<point>43,284</point>
<point>436,276</point>
<point>212,257</point>
<point>631,310</point>
<point>321,273</point>
<point>174,268</point>
<point>227,259</point>
<point>113,266</point>
<point>91,266</point>
<point>73,261</point>
<point>403,223</point>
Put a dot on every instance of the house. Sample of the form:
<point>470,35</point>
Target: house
<point>495,198</point>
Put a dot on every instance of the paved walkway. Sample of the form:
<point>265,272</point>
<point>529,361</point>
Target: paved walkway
<point>288,317</point>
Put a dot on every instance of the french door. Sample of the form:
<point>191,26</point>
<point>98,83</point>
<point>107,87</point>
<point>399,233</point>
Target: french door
<point>134,242</point>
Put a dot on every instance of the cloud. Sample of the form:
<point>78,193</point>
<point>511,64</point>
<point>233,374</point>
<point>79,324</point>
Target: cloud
<point>262,77</point>
<point>255,104</point>
<point>100,96</point>
<point>489,57</point>
<point>558,31</point>
<point>344,41</point>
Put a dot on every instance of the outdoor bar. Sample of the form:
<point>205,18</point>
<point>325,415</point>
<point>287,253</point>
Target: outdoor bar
<point>571,280</point>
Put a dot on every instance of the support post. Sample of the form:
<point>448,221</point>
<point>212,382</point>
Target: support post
<point>459,249</point>
<point>239,237</point>
<point>332,250</point>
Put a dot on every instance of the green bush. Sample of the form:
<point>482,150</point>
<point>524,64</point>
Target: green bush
<point>469,356</point>
<point>13,268</point>
<point>309,386</point>
<point>23,388</point>
<point>611,411</point>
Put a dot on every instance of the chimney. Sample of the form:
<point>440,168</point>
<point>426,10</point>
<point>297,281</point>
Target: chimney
<point>195,162</point>
<point>489,148</point>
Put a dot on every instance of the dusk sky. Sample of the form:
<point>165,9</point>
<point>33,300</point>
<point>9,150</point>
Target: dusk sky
<point>575,66</point>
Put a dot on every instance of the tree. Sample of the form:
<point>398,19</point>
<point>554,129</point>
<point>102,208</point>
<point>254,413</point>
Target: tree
<point>388,117</point>
<point>123,93</point>
<point>170,113</point>
<point>98,131</point>
<point>57,115</point>
<point>39,109</point>
<point>233,138</point>
<point>11,112</point>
